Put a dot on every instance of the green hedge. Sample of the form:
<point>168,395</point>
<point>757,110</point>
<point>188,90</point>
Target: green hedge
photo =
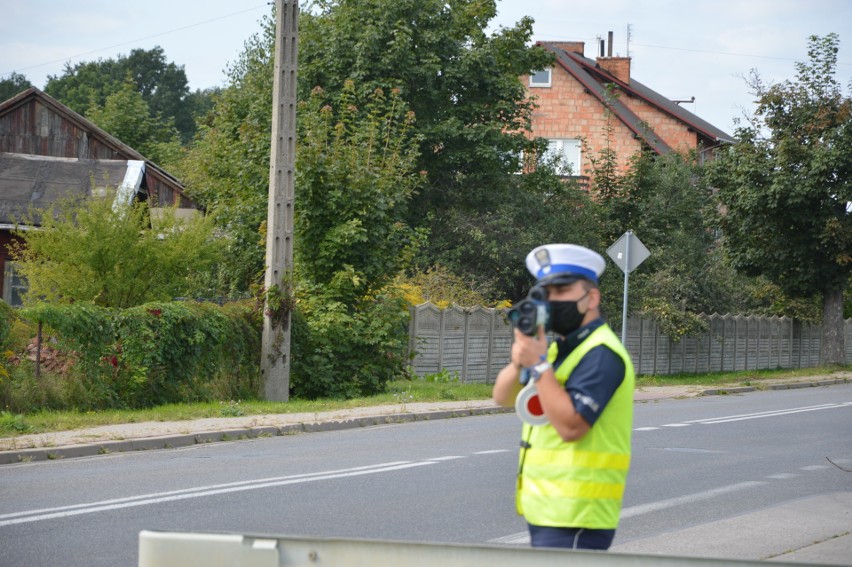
<point>157,353</point>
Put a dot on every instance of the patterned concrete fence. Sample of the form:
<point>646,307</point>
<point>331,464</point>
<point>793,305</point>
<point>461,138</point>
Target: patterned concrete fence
<point>472,342</point>
<point>475,344</point>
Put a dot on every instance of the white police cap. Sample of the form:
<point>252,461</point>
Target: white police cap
<point>564,263</point>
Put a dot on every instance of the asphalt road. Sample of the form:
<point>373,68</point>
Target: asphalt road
<point>696,461</point>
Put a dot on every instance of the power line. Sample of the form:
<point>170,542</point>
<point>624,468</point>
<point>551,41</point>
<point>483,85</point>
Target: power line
<point>136,40</point>
<point>707,51</point>
<point>731,53</point>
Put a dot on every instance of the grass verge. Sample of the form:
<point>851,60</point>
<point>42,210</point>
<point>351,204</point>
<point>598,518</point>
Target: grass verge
<point>398,393</point>
<point>741,378</point>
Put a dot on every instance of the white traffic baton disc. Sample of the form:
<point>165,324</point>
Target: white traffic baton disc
<point>528,406</point>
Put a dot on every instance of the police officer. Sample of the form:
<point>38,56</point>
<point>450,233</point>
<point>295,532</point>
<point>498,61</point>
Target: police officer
<point>573,468</point>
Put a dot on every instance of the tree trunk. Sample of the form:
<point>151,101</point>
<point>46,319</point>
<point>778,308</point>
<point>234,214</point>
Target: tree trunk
<point>833,343</point>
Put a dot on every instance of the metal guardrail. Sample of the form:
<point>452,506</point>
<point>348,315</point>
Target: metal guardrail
<point>175,549</point>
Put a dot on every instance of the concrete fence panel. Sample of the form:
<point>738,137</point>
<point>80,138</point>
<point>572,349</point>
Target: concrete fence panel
<point>474,343</point>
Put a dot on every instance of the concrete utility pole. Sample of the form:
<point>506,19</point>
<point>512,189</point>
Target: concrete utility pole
<point>275,352</point>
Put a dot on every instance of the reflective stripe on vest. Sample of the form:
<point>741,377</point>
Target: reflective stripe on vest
<point>579,484</point>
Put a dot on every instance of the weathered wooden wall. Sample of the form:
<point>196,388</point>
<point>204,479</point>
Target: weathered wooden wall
<point>34,123</point>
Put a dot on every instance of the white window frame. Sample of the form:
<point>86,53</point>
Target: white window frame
<point>540,83</point>
<point>571,150</point>
<point>14,285</point>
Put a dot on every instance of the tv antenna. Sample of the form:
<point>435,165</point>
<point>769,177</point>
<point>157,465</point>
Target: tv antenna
<point>629,34</point>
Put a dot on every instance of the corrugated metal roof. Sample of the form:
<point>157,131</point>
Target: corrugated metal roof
<point>38,182</point>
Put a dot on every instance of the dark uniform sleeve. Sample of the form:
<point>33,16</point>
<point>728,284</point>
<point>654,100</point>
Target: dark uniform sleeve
<point>594,381</point>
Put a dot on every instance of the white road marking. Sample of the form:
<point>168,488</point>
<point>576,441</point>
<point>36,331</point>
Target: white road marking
<point>687,499</point>
<point>522,538</point>
<point>519,538</point>
<point>212,490</point>
<point>198,492</point>
<point>742,417</point>
<point>763,414</point>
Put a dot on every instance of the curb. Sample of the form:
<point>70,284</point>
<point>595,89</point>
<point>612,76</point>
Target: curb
<point>780,386</point>
<point>187,440</point>
<point>173,441</point>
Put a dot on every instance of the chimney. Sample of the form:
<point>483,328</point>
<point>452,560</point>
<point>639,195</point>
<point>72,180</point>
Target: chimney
<point>619,67</point>
<point>570,46</point>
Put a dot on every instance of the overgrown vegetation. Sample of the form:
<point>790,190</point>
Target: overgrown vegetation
<point>786,188</point>
<point>102,252</point>
<point>417,180</point>
<point>356,173</point>
<point>151,354</point>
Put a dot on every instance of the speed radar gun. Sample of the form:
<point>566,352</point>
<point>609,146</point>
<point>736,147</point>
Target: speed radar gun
<point>531,313</point>
<point>527,316</point>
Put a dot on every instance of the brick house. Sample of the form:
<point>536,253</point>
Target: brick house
<point>50,153</point>
<point>585,104</point>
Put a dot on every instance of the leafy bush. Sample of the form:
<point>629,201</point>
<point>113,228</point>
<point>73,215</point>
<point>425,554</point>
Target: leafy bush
<point>7,318</point>
<point>143,356</point>
<point>343,352</point>
<point>90,251</point>
<point>356,174</point>
<point>442,288</point>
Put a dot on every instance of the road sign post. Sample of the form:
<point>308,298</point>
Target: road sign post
<point>627,253</point>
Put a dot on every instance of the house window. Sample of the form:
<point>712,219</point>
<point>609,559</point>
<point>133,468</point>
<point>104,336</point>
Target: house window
<point>540,78</point>
<point>14,285</point>
<point>569,151</point>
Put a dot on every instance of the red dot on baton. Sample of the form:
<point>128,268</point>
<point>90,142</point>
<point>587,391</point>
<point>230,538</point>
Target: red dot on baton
<point>534,406</point>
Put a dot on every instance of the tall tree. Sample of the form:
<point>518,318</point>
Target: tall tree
<point>227,168</point>
<point>127,116</point>
<point>12,85</point>
<point>786,188</point>
<point>463,86</point>
<point>162,84</point>
<point>355,175</point>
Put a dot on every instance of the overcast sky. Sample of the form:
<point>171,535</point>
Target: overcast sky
<point>680,48</point>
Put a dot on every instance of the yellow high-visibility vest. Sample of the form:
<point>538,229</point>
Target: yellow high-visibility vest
<point>579,484</point>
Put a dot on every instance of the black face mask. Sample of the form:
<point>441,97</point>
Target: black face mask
<point>565,317</point>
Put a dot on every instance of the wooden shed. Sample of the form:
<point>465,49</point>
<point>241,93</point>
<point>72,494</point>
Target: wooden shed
<point>49,153</point>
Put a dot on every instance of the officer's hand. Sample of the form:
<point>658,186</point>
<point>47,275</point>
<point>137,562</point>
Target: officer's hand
<point>528,351</point>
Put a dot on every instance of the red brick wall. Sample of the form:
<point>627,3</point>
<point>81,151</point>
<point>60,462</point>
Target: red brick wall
<point>673,132</point>
<point>617,66</point>
<point>566,111</point>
